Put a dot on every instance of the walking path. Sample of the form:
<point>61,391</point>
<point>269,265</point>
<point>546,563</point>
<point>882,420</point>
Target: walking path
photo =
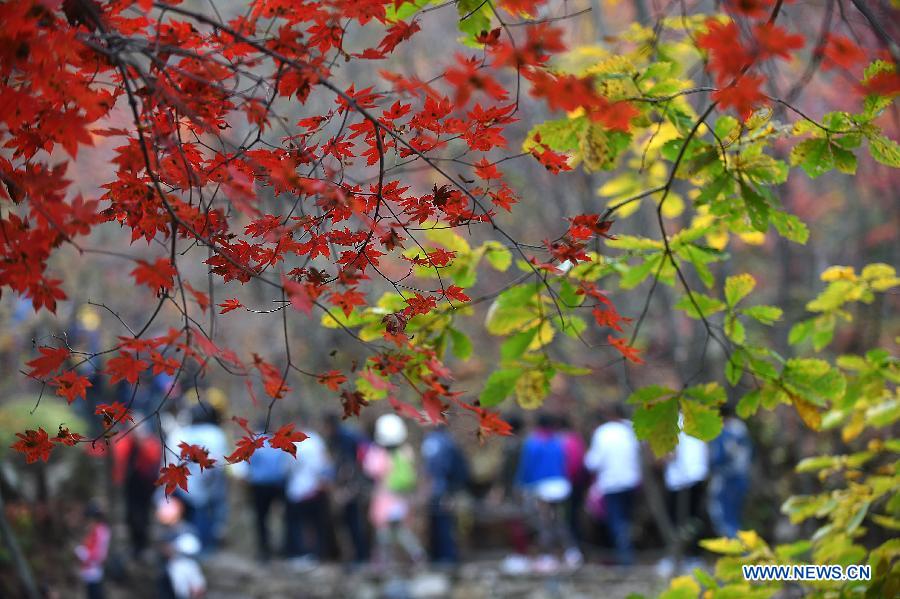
<point>233,576</point>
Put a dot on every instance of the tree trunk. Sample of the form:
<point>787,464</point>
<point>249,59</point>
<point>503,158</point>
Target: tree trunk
<point>19,562</point>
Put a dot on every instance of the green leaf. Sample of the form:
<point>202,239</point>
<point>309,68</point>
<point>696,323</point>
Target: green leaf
<point>734,328</point>
<point>737,287</point>
<point>630,242</point>
<point>762,168</point>
<point>734,368</point>
<point>516,345</point>
<point>560,135</point>
<point>499,386</point>
<point>649,394</point>
<point>800,331</point>
<point>475,18</point>
<point>700,420</point>
<point>513,310</point>
<point>682,587</point>
<point>816,463</point>
<point>813,380</point>
<point>817,156</point>
<point>462,345</point>
<point>635,275</point>
<point>722,185</point>
<point>708,305</point>
<point>449,239</point>
<point>497,255</point>
<point>885,413</point>
<point>884,150</point>
<point>657,423</point>
<point>764,314</point>
<point>503,321</point>
<point>571,369</point>
<point>725,125</point>
<point>789,226</point>
<point>757,208</point>
<point>748,405</point>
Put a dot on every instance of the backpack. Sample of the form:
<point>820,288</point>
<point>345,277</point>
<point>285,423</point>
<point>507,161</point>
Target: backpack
<point>402,476</point>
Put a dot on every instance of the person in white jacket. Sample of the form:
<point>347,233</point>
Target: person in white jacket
<point>614,456</point>
<point>307,499</point>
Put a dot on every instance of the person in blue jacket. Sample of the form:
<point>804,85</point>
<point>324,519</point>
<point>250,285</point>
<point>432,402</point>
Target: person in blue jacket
<point>447,474</point>
<point>731,455</point>
<point>266,475</point>
<point>542,478</point>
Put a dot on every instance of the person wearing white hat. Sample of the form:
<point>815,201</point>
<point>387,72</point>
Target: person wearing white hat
<point>391,464</point>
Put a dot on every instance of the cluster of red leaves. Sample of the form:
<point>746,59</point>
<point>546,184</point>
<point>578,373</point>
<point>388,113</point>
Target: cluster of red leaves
<point>64,81</point>
<point>731,57</point>
<point>36,444</point>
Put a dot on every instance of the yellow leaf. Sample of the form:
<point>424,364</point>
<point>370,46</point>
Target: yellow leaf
<point>753,237</point>
<point>723,545</point>
<point>838,273</point>
<point>752,540</point>
<point>673,206</point>
<point>854,427</point>
<point>543,337</point>
<point>531,389</point>
<point>808,412</point>
<point>878,270</point>
<point>684,583</point>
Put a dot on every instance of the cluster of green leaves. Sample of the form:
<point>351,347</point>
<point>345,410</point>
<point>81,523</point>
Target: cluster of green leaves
<point>726,173</point>
<point>857,394</point>
<point>530,318</point>
<point>862,492</point>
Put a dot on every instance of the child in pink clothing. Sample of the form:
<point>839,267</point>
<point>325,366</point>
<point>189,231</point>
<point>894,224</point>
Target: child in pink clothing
<point>390,506</point>
<point>93,550</point>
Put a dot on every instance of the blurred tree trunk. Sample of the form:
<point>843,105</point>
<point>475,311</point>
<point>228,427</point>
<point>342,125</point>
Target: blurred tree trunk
<point>23,570</point>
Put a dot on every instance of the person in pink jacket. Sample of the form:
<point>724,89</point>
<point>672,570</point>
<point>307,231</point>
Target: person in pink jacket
<point>93,550</point>
<point>391,464</point>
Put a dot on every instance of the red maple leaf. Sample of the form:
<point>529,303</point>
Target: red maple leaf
<point>159,275</point>
<point>246,447</point>
<point>743,95</point>
<point>299,295</point>
<point>457,293</point>
<point>173,476</point>
<point>727,55</point>
<point>332,379</point>
<point>35,444</point>
<point>200,297</point>
<point>841,51</point>
<point>113,413</point>
<point>629,352</point>
<point>775,41</point>
<point>66,437</point>
<point>50,360</point>
<point>125,367</point>
<point>229,305</point>
<point>71,385</point>
<point>198,455</point>
<point>285,439</point>
<point>489,423</point>
<point>352,401</point>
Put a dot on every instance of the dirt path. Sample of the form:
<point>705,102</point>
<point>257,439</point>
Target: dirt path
<point>232,576</point>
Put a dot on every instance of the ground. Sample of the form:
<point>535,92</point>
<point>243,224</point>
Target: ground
<point>232,576</point>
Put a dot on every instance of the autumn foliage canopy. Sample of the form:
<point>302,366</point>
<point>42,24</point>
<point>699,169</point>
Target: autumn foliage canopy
<point>171,86</point>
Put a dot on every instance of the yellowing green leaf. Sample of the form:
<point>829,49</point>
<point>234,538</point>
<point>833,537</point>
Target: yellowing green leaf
<point>737,287</point>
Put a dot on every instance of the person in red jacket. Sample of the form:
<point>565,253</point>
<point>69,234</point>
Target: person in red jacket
<point>93,550</point>
<point>137,458</point>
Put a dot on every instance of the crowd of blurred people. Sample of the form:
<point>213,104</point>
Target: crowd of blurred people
<point>376,497</point>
